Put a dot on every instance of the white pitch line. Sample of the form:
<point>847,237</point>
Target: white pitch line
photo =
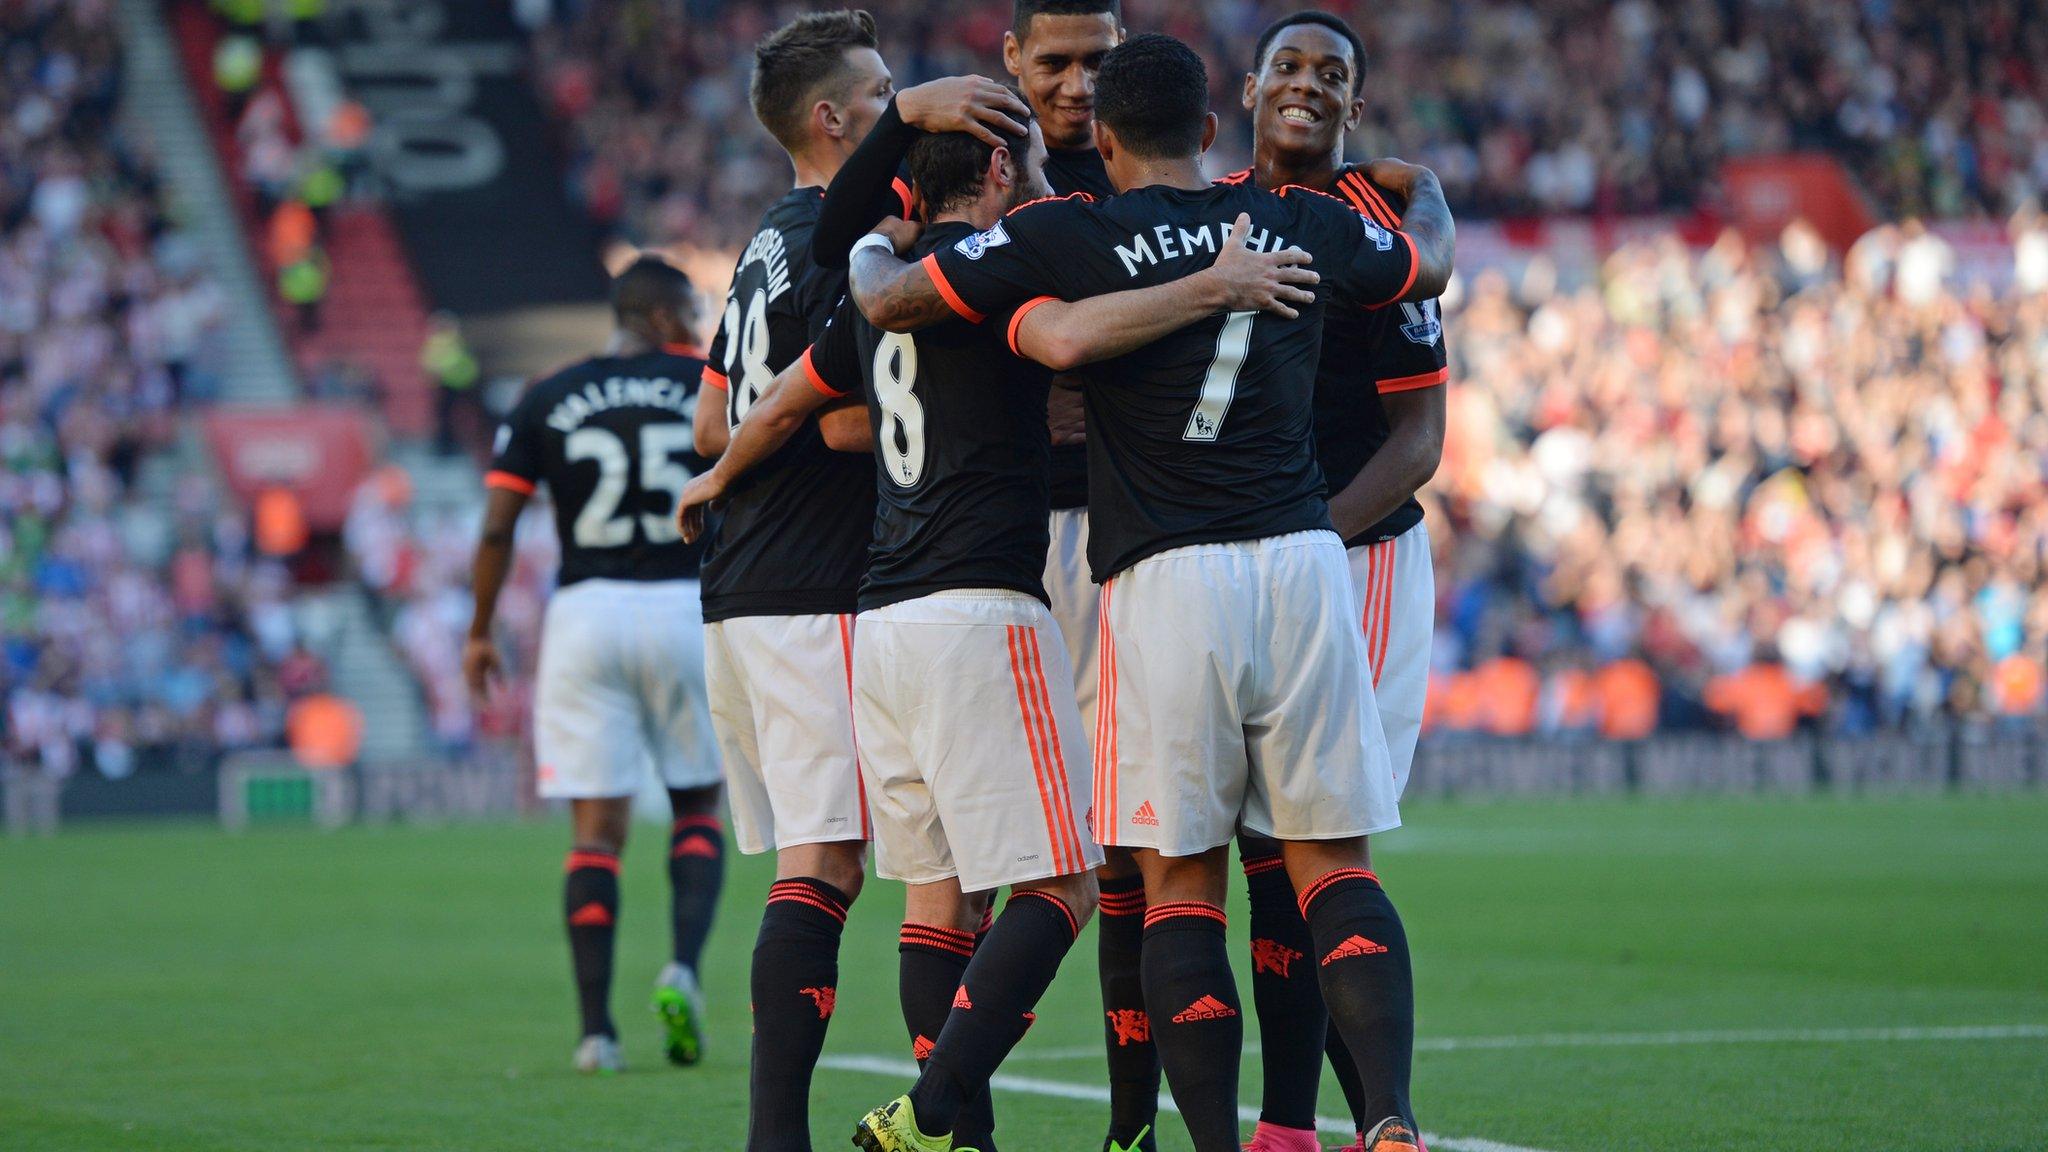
<point>1733,1036</point>
<point>1658,1039</point>
<point>1060,1089</point>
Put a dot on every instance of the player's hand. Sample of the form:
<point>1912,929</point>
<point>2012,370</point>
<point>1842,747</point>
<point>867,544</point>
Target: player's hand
<point>1396,175</point>
<point>1248,281</point>
<point>480,665</point>
<point>695,501</point>
<point>901,233</point>
<point>1066,414</point>
<point>975,105</point>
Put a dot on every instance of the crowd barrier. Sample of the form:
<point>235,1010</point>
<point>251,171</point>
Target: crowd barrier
<point>495,784</point>
<point>1964,757</point>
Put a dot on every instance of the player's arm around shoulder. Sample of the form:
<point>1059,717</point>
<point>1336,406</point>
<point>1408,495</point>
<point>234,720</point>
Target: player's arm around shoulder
<point>1426,221</point>
<point>985,274</point>
<point>1066,335</point>
<point>792,397</point>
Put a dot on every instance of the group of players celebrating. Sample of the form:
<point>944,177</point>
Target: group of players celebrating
<point>1055,510</point>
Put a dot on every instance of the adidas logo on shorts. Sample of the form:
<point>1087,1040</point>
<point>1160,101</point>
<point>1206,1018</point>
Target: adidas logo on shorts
<point>1145,815</point>
<point>1207,1008</point>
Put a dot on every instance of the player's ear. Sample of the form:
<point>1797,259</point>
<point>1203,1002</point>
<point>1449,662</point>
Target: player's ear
<point>1002,172</point>
<point>1355,112</point>
<point>1251,92</point>
<point>1105,141</point>
<point>1013,55</point>
<point>827,119</point>
<point>1208,131</point>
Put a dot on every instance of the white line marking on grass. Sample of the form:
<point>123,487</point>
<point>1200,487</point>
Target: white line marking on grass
<point>1654,1039</point>
<point>1060,1089</point>
<point>1733,1036</point>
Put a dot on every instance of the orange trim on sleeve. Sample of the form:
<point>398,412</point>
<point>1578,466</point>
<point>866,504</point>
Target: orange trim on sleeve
<point>1411,383</point>
<point>1355,192</point>
<point>1414,270</point>
<point>952,298</point>
<point>818,381</point>
<point>509,481</point>
<point>1383,210</point>
<point>1017,320</point>
<point>713,378</point>
<point>904,194</point>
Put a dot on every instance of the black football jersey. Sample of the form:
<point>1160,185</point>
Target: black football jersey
<point>611,438</point>
<point>960,450</point>
<point>1071,170</point>
<point>1368,354</point>
<point>792,538</point>
<point>1204,436</point>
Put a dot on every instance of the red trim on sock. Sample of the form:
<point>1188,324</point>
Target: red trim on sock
<point>1195,908</point>
<point>1323,882</point>
<point>708,823</point>
<point>1073,925</point>
<point>580,859</point>
<point>802,893</point>
<point>1258,865</point>
<point>1123,903</point>
<point>943,939</point>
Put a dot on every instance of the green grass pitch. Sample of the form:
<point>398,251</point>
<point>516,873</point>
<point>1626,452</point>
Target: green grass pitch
<point>407,989</point>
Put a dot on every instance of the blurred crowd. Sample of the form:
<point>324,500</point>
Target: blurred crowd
<point>1746,487</point>
<point>1522,106</point>
<point>135,628</point>
<point>415,561</point>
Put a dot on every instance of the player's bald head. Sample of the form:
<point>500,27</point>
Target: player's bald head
<point>650,288</point>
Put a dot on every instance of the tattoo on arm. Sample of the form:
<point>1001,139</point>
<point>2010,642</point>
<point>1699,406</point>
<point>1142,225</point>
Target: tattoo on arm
<point>896,296</point>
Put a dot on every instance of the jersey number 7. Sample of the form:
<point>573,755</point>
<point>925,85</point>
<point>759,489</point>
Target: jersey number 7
<point>1219,386</point>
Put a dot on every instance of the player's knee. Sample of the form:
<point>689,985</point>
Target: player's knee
<point>842,865</point>
<point>600,825</point>
<point>1117,863</point>
<point>1078,892</point>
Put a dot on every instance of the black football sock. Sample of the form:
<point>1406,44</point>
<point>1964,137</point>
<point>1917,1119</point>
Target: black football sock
<point>1284,992</point>
<point>1127,1030</point>
<point>795,987</point>
<point>590,903</point>
<point>992,1007</point>
<point>931,961</point>
<point>1346,1070</point>
<point>1192,1000</point>
<point>696,873</point>
<point>975,1127</point>
<point>1362,961</point>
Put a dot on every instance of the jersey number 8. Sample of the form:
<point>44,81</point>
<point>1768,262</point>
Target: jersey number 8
<point>901,437</point>
<point>598,525</point>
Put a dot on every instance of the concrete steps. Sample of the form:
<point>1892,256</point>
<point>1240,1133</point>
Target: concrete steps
<point>160,107</point>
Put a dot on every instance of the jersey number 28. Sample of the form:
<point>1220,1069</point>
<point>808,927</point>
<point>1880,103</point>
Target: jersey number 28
<point>599,525</point>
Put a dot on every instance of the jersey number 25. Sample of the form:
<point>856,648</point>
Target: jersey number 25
<point>599,525</point>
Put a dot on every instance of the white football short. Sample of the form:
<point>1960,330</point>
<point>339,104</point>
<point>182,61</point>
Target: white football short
<point>1395,586</point>
<point>620,690</point>
<point>1234,690</point>
<point>782,705</point>
<point>1076,602</point>
<point>971,742</point>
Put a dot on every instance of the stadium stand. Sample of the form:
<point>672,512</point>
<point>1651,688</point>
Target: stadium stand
<point>1939,109</point>
<point>1714,464</point>
<point>141,626</point>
